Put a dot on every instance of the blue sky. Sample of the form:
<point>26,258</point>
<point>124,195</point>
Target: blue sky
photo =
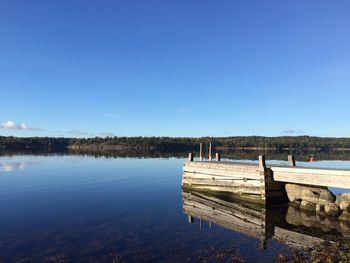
<point>174,68</point>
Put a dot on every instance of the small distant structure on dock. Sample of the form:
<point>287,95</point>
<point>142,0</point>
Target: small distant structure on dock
<point>312,158</point>
<point>258,183</point>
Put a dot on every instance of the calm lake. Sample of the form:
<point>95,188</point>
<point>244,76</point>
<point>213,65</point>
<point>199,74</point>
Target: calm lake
<point>81,208</point>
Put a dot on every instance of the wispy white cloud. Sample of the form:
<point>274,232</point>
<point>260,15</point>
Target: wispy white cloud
<point>16,126</point>
<point>292,131</point>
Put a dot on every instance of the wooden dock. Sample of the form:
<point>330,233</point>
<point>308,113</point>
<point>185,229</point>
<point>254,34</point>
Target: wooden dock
<point>256,182</point>
<point>312,176</point>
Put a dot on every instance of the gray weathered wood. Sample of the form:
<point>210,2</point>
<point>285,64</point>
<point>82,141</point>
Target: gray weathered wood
<point>201,152</point>
<point>312,176</point>
<point>210,158</point>
<point>244,180</point>
<point>258,179</point>
<point>217,157</point>
<point>291,160</point>
<point>190,157</point>
<point>262,162</point>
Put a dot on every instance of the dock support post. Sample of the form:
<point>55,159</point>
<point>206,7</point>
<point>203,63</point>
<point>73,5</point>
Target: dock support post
<point>190,219</point>
<point>201,152</point>
<point>190,157</point>
<point>262,163</point>
<point>217,157</point>
<point>210,158</point>
<point>291,160</point>
<point>262,173</point>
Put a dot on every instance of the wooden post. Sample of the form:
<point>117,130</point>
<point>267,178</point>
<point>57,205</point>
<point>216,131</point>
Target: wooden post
<point>190,219</point>
<point>262,173</point>
<point>201,152</point>
<point>262,163</point>
<point>210,152</point>
<point>291,160</point>
<point>190,157</point>
<point>209,224</point>
<point>217,157</point>
<point>200,224</point>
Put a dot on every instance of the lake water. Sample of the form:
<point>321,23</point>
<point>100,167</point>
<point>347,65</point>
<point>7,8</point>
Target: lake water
<point>79,208</point>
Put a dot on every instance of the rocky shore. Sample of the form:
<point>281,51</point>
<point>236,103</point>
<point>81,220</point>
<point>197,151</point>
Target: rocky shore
<point>320,200</point>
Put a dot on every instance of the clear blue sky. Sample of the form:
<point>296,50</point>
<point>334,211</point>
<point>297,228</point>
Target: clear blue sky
<point>175,68</point>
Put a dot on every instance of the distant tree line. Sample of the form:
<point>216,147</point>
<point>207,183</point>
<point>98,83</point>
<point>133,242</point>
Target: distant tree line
<point>20,143</point>
<point>237,142</point>
<point>177,143</point>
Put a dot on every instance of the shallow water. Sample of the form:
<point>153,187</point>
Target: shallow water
<point>78,208</point>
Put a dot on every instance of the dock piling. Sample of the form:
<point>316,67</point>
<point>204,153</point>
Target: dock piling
<point>262,163</point>
<point>210,158</point>
<point>217,157</point>
<point>201,152</point>
<point>190,157</point>
<point>262,175</point>
<point>291,160</point>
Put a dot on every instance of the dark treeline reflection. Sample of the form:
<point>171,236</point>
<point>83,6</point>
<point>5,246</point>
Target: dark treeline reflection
<point>225,154</point>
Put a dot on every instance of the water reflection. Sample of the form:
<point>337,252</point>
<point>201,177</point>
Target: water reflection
<point>225,153</point>
<point>284,223</point>
<point>12,166</point>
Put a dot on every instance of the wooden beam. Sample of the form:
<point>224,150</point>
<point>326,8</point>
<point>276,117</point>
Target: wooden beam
<point>312,176</point>
<point>217,157</point>
<point>201,151</point>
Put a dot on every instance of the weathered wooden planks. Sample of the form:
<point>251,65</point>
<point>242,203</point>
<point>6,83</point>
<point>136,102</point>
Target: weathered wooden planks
<point>245,181</point>
<point>263,182</point>
<point>251,182</point>
<point>312,176</point>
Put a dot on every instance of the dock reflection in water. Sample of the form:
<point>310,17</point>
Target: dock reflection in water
<point>283,223</point>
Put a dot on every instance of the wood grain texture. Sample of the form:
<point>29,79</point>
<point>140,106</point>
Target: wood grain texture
<point>312,176</point>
